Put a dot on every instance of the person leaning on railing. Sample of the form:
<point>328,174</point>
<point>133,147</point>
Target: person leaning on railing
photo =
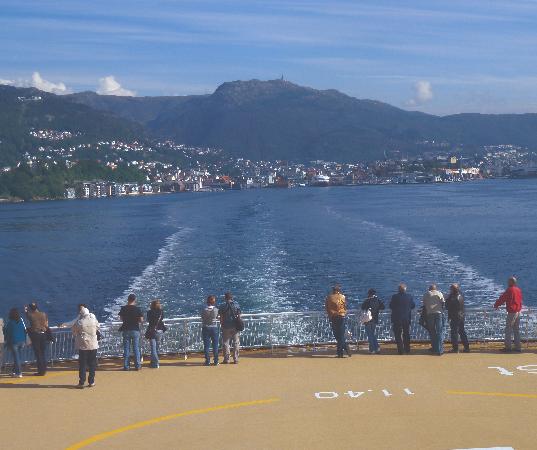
<point>209,331</point>
<point>155,329</point>
<point>37,328</point>
<point>132,318</point>
<point>14,333</point>
<point>230,311</point>
<point>402,305</point>
<point>336,308</point>
<point>512,298</point>
<point>455,307</point>
<point>433,302</point>
<point>374,304</point>
<point>70,323</point>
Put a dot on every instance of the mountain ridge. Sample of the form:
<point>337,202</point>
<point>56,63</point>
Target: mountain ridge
<point>275,119</point>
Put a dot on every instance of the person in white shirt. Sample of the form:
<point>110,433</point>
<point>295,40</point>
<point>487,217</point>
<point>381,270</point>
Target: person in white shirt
<point>86,342</point>
<point>72,322</point>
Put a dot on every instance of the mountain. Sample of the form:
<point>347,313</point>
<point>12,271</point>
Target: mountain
<point>24,109</point>
<point>255,119</point>
<point>277,119</point>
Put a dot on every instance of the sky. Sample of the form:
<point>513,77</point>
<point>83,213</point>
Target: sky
<point>436,56</point>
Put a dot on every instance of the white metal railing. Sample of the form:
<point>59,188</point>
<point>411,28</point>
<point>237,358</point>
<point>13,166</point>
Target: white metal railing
<point>270,330</point>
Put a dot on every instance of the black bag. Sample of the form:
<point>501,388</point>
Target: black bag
<point>151,332</point>
<point>237,321</point>
<point>99,336</point>
<point>423,319</point>
<point>49,336</point>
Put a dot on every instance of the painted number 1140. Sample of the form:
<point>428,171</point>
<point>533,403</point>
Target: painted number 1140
<point>531,368</point>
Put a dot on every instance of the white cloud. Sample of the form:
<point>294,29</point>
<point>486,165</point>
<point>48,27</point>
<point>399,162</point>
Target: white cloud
<point>109,86</point>
<point>40,83</point>
<point>423,93</point>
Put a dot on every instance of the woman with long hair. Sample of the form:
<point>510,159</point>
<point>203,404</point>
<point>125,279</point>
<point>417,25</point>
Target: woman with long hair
<point>155,328</point>
<point>15,339</point>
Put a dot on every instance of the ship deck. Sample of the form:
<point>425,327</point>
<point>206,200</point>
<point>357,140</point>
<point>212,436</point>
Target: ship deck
<point>292,399</point>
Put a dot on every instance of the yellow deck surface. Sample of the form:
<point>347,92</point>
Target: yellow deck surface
<point>269,401</point>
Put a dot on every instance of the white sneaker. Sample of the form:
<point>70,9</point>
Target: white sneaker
<point>14,375</point>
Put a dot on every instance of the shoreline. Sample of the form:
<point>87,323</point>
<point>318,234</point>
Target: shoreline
<point>10,201</point>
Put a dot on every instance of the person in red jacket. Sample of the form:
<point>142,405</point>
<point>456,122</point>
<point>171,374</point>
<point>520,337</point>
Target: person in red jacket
<point>512,298</point>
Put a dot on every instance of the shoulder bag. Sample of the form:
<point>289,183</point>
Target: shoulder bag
<point>151,332</point>
<point>237,321</point>
<point>28,340</point>
<point>366,316</point>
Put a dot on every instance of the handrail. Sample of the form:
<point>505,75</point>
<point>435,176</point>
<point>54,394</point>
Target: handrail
<point>284,329</point>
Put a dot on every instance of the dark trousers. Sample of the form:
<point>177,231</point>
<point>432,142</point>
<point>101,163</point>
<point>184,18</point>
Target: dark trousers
<point>210,338</point>
<point>39,344</point>
<point>457,329</point>
<point>338,328</point>
<point>87,360</point>
<point>401,332</point>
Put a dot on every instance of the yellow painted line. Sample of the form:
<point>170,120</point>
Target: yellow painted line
<point>493,394</point>
<point>33,378</point>
<point>145,423</point>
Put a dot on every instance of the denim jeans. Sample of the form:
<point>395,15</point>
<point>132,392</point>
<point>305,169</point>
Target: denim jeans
<point>436,327</point>
<point>155,347</point>
<point>512,326</point>
<point>457,329</point>
<point>15,351</point>
<point>370,328</point>
<point>338,328</point>
<point>87,360</point>
<point>39,344</point>
<point>131,337</point>
<point>210,336</point>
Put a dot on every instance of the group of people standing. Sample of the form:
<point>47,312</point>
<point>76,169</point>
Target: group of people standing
<point>432,317</point>
<point>227,318</point>
<point>35,331</point>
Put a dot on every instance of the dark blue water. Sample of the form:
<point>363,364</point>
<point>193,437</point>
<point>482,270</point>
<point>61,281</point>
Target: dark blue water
<point>275,249</point>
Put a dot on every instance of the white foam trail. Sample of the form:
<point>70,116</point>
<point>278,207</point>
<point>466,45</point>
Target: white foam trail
<point>146,285</point>
<point>429,262</point>
<point>437,264</point>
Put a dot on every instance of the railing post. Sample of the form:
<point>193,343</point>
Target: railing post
<point>526,328</point>
<point>485,341</point>
<point>270,335</point>
<point>185,339</point>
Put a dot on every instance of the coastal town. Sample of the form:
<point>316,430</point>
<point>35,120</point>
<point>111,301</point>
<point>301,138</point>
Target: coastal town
<point>168,167</point>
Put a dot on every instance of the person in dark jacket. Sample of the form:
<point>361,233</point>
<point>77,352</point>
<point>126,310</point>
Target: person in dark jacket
<point>15,339</point>
<point>374,304</point>
<point>455,308</point>
<point>402,305</point>
<point>37,329</point>
<point>155,328</point>
<point>229,312</point>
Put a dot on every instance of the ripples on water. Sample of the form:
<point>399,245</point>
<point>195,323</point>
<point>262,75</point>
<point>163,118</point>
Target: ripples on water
<point>274,249</point>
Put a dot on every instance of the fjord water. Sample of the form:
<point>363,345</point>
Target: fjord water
<point>275,250</point>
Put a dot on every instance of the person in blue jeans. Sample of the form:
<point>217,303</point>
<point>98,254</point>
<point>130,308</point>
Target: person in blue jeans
<point>155,328</point>
<point>15,339</point>
<point>375,304</point>
<point>132,318</point>
<point>209,318</point>
<point>434,304</point>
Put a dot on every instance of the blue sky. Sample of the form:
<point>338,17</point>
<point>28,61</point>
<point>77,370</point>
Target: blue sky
<point>437,56</point>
